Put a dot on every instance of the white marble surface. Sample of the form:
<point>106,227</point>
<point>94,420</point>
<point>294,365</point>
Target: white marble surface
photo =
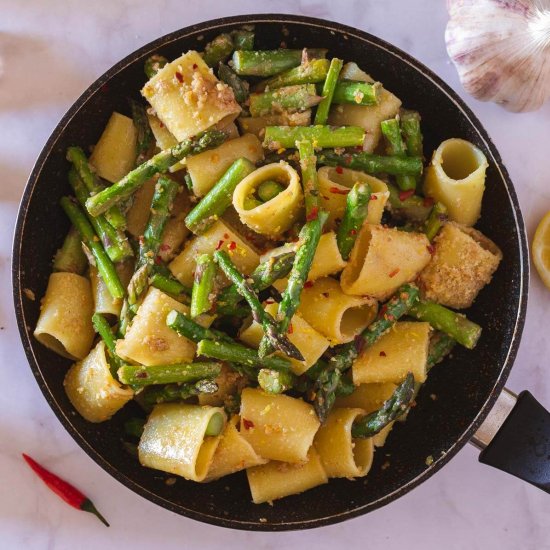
<point>50,51</point>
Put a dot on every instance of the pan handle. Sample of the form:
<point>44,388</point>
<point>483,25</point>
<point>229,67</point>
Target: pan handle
<point>515,438</point>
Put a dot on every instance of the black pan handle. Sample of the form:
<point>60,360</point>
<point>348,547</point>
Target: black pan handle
<point>515,438</point>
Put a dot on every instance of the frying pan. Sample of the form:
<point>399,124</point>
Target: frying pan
<point>467,385</point>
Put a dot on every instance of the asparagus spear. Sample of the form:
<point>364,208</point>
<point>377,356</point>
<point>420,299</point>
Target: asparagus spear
<point>104,265</point>
<point>102,327</point>
<point>169,285</point>
<point>203,285</point>
<point>435,220</point>
<point>159,163</point>
<point>369,163</point>
<point>154,395</point>
<point>356,93</point>
<point>134,427</point>
<point>274,381</point>
<point>309,73</point>
<point>308,166</point>
<point>277,137</point>
<point>408,205</point>
<point>271,62</point>
<point>137,375</point>
<point>410,126</point>
<point>391,410</point>
<point>218,50</point>
<point>153,64</point>
<point>243,39</point>
<point>324,391</point>
<point>77,157</point>
<point>396,147</point>
<point>328,90</point>
<point>70,257</point>
<point>441,345</point>
<point>275,338</point>
<point>215,425</point>
<point>191,330</point>
<point>239,86</point>
<point>289,99</point>
<point>268,190</point>
<point>219,198</point>
<point>145,138</point>
<point>454,324</point>
<point>357,204</point>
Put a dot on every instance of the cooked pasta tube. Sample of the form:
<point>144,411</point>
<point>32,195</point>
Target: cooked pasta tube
<point>456,177</point>
<point>217,237</point>
<point>104,303</point>
<point>91,388</point>
<point>383,259</point>
<point>174,440</point>
<point>280,479</point>
<point>233,453</point>
<point>164,139</point>
<point>334,185</point>
<point>278,427</point>
<point>276,215</point>
<point>369,397</point>
<point>65,322</point>
<point>401,350</point>
<point>341,455</point>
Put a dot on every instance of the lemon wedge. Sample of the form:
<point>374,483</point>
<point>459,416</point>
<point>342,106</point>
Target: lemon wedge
<point>541,249</point>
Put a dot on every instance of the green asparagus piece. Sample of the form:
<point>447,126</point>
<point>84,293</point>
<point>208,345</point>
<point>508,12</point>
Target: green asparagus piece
<point>454,324</point>
<point>239,86</point>
<point>154,64</point>
<point>169,285</point>
<point>328,90</point>
<point>346,386</point>
<point>441,345</point>
<point>243,39</point>
<point>145,138</point>
<point>277,137</point>
<point>216,424</point>
<point>218,199</point>
<point>324,390</point>
<point>167,374</point>
<point>104,265</point>
<point>134,427</point>
<point>154,395</point>
<point>218,50</point>
<point>274,381</point>
<point>271,62</point>
<point>409,206</point>
<point>410,126</point>
<point>203,285</point>
<point>396,148</point>
<point>250,203</point>
<point>357,209</point>
<point>310,73</point>
<point>289,99</point>
<point>77,157</point>
<point>391,410</point>
<point>102,327</point>
<point>268,190</point>
<point>308,166</point>
<point>191,330</point>
<point>70,257</point>
<point>159,163</point>
<point>237,353</point>
<point>437,217</point>
<point>356,93</point>
<point>275,338</point>
<point>369,163</point>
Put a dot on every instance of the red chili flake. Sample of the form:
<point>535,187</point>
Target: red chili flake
<point>226,236</point>
<point>404,195</point>
<point>353,232</point>
<point>219,245</point>
<point>373,198</point>
<point>247,424</point>
<point>337,191</point>
<point>382,354</point>
<point>326,294</point>
<point>232,245</point>
<point>383,310</point>
<point>161,124</point>
<point>165,247</point>
<point>390,317</point>
<point>339,170</point>
<point>158,260</point>
<point>179,76</point>
<point>195,66</point>
<point>358,147</point>
<point>394,272</point>
<point>431,249</point>
<point>428,201</point>
<point>142,374</point>
<point>269,301</point>
<point>313,214</point>
<point>308,284</point>
<point>290,329</point>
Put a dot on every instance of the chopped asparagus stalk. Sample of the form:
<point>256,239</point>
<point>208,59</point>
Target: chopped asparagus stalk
<point>410,126</point>
<point>250,203</point>
<point>243,39</point>
<point>407,205</point>
<point>134,427</point>
<point>203,285</point>
<point>278,137</point>
<point>239,86</point>
<point>392,132</point>
<point>369,163</point>
<point>218,50</point>
<point>216,424</point>
<point>441,345</point>
<point>355,93</point>
<point>154,395</point>
<point>102,327</point>
<point>167,374</point>
<point>154,64</point>
<point>268,190</point>
<point>289,99</point>
<point>437,217</point>
<point>357,204</point>
<point>185,326</point>
<point>273,381</point>
<point>309,73</point>
<point>328,90</point>
<point>308,166</point>
<point>271,62</point>
<point>145,139</point>
<point>169,285</point>
<point>70,257</point>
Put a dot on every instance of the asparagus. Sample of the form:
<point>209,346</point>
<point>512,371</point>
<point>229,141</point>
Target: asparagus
<point>396,147</point>
<point>191,330</point>
<point>410,126</point>
<point>159,163</point>
<point>169,285</point>
<point>309,73</point>
<point>308,166</point>
<point>268,190</point>
<point>391,410</point>
<point>328,90</point>
<point>435,220</point>
<point>289,99</point>
<point>102,327</point>
<point>77,157</point>
<point>218,199</point>
<point>218,50</point>
<point>137,375</point>
<point>203,285</point>
<point>271,62</point>
<point>277,137</point>
<point>357,204</point>
<point>275,338</point>
<point>153,64</point>
<point>134,427</point>
<point>408,205</point>
<point>238,85</point>
<point>273,381</point>
<point>177,392</point>
<point>215,425</point>
<point>70,257</point>
<point>369,163</point>
<point>356,93</point>
<point>104,265</point>
<point>237,353</point>
<point>243,39</point>
<point>324,391</point>
<point>454,324</point>
<point>441,345</point>
<point>145,138</point>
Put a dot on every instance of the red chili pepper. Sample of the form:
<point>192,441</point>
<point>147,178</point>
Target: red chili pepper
<point>219,245</point>
<point>373,198</point>
<point>71,495</point>
<point>308,284</point>
<point>428,201</point>
<point>290,328</point>
<point>431,249</point>
<point>393,273</point>
<point>226,235</point>
<point>232,245</point>
<point>353,232</point>
<point>339,170</point>
<point>404,195</point>
<point>339,191</point>
<point>195,65</point>
<point>313,214</point>
<point>382,354</point>
<point>164,247</point>
<point>247,424</point>
<point>179,76</point>
<point>158,260</point>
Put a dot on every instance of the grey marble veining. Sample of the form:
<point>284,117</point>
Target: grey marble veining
<point>49,53</point>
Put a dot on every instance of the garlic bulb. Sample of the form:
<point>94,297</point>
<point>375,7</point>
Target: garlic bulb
<point>501,49</point>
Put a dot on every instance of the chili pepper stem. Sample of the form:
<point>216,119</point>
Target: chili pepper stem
<point>88,506</point>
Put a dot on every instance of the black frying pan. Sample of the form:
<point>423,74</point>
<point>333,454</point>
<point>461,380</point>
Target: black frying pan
<point>467,386</point>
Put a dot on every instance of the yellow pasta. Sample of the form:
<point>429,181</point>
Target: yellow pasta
<point>164,139</point>
<point>383,259</point>
<point>276,480</point>
<point>341,455</point>
<point>274,217</point>
<point>402,349</point>
<point>369,397</point>
<point>188,98</point>
<point>65,322</point>
<point>256,125</point>
<point>456,177</point>
<point>174,440</point>
<point>91,388</point>
<point>335,183</point>
<point>278,427</point>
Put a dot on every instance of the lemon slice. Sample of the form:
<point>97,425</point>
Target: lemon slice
<point>541,249</point>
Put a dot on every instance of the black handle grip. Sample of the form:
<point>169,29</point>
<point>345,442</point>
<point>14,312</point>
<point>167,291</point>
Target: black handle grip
<point>521,447</point>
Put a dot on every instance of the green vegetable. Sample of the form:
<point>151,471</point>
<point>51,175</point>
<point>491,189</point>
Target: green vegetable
<point>169,285</point>
<point>410,126</point>
<point>102,327</point>
<point>70,257</point>
<point>355,93</point>
<point>357,209</point>
<point>369,163</point>
<point>185,326</point>
<point>440,346</point>
<point>277,137</point>
<point>308,166</point>
<point>216,424</point>
<point>268,190</point>
<point>328,90</point>
<point>437,217</point>
<point>145,139</point>
<point>154,395</point>
<point>311,72</point>
<point>203,285</point>
<point>154,64</point>
<point>166,374</point>
<point>409,206</point>
<point>274,381</point>
<point>238,85</point>
<point>134,427</point>
<point>218,50</point>
<point>271,62</point>
<point>289,99</point>
<point>243,39</point>
<point>396,147</point>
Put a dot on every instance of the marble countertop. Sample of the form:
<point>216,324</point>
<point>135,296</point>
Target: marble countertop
<point>49,53</point>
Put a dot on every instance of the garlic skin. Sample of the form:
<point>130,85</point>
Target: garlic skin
<point>501,50</point>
